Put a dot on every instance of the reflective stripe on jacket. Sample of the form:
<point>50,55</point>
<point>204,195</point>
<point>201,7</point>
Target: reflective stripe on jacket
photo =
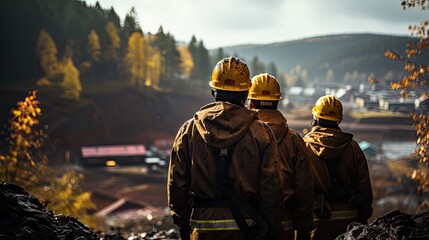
<point>217,225</point>
<point>287,225</point>
<point>340,215</point>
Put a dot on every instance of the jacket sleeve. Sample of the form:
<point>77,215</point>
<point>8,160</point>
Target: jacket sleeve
<point>179,181</point>
<point>302,208</point>
<point>363,184</point>
<point>270,193</point>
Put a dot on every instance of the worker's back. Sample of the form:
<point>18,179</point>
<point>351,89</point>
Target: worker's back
<point>198,178</point>
<point>342,186</point>
<point>264,96</point>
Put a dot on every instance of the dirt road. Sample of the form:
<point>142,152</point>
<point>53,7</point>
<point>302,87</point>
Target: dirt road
<point>135,183</point>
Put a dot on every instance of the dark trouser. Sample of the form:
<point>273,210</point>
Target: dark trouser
<point>287,235</point>
<point>326,229</point>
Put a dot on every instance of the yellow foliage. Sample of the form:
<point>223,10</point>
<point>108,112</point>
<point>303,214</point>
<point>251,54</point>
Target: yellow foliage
<point>144,62</point>
<point>47,51</point>
<point>24,140</point>
<point>416,77</point>
<point>71,83</point>
<point>94,45</point>
<point>24,163</point>
<point>154,65</point>
<point>136,57</point>
<point>399,168</point>
<point>115,41</point>
<point>65,196</point>
<point>43,82</point>
<point>391,55</point>
<point>187,63</point>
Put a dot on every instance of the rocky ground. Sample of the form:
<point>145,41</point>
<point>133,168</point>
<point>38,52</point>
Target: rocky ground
<point>24,217</point>
<point>393,225</point>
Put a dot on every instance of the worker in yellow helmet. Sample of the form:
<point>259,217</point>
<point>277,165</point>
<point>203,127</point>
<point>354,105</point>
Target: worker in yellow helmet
<point>264,97</point>
<point>222,179</point>
<point>342,185</point>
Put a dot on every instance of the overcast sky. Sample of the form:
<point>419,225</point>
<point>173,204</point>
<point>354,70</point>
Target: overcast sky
<point>223,23</point>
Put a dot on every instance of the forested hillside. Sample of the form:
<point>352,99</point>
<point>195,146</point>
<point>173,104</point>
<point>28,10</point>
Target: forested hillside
<point>348,58</point>
<point>70,45</point>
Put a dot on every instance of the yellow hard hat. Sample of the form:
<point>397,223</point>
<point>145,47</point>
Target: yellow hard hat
<point>328,108</point>
<point>231,74</point>
<point>265,87</point>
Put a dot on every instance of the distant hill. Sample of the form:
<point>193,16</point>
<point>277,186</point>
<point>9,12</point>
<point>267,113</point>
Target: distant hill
<point>352,57</point>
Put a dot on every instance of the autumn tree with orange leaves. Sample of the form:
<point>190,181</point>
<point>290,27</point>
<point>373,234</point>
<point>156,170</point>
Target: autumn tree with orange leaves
<point>417,77</point>
<point>23,162</point>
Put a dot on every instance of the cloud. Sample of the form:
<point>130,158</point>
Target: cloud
<point>380,10</point>
<point>226,22</point>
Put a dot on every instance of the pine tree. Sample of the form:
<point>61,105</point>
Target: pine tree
<point>192,47</point>
<point>272,69</point>
<point>113,17</point>
<point>204,62</point>
<point>111,51</point>
<point>219,55</point>
<point>256,66</point>
<point>171,58</point>
<point>131,24</point>
<point>201,59</point>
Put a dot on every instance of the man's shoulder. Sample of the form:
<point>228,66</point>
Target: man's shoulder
<point>188,124</point>
<point>260,130</point>
<point>294,136</point>
<point>259,124</point>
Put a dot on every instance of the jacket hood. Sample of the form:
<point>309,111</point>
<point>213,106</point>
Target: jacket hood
<point>327,143</point>
<point>222,124</point>
<point>276,121</point>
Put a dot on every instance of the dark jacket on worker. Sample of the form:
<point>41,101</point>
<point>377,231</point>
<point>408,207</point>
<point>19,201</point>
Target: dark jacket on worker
<point>298,193</point>
<point>350,198</point>
<point>192,170</point>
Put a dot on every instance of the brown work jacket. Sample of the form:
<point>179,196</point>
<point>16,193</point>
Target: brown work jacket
<point>298,193</point>
<point>253,169</point>
<point>332,143</point>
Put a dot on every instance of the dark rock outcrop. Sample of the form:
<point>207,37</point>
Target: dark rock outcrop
<point>24,217</point>
<point>392,225</point>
